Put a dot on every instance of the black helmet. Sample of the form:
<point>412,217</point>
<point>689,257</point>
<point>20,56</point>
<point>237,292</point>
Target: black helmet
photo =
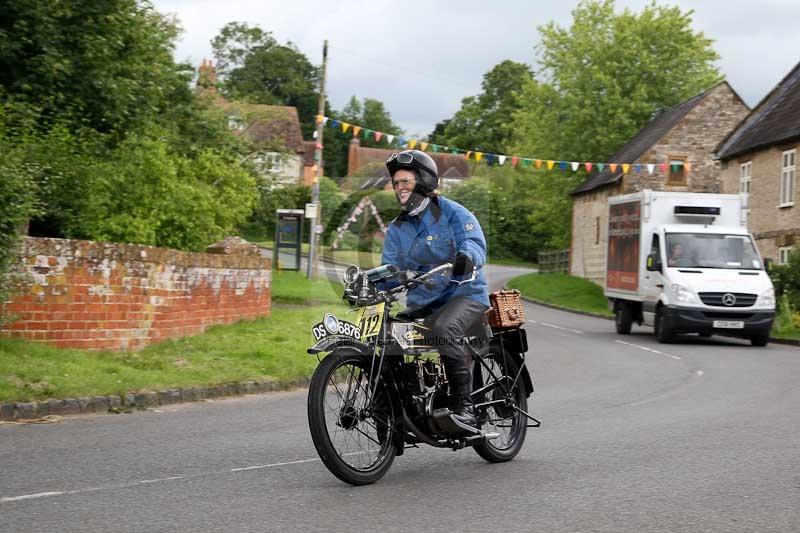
<point>420,163</point>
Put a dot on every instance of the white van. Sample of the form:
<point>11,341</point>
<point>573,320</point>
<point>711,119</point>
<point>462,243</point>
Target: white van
<point>685,263</point>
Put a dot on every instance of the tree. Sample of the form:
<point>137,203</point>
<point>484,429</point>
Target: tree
<point>604,77</point>
<point>601,80</point>
<point>256,68</point>
<point>103,65</point>
<point>483,121</point>
<point>368,113</point>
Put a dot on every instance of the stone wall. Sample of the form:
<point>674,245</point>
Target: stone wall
<point>772,226</point>
<point>590,234</point>
<point>94,295</point>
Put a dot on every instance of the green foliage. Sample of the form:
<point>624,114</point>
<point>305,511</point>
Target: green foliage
<point>786,279</point>
<point>146,193</point>
<point>506,205</point>
<point>369,113</point>
<point>103,65</point>
<point>256,68</point>
<point>601,80</point>
<point>605,76</point>
<point>484,121</point>
<point>272,198</point>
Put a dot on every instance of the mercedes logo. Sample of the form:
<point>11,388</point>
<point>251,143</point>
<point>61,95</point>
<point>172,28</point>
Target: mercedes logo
<point>728,299</point>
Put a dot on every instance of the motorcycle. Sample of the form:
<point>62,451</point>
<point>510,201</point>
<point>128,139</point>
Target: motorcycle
<point>381,387</point>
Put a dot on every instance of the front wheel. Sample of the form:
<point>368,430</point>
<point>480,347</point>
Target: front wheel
<point>663,328</point>
<point>759,340</point>
<point>499,395</point>
<point>351,425</point>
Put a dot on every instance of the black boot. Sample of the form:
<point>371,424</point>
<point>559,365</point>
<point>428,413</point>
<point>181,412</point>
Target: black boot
<point>460,388</point>
<point>464,412</point>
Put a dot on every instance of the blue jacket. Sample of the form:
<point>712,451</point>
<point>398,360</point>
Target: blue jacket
<point>432,238</point>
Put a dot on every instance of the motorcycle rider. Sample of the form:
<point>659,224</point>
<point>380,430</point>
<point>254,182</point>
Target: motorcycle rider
<point>432,230</point>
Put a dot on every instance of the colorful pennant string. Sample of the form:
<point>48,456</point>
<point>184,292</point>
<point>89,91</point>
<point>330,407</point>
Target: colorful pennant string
<point>500,159</point>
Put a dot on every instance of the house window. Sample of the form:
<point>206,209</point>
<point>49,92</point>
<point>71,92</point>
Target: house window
<point>783,255</point>
<point>787,178</point>
<point>677,171</point>
<point>745,177</point>
<point>597,230</point>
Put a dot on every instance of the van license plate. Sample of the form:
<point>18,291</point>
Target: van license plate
<point>729,324</point>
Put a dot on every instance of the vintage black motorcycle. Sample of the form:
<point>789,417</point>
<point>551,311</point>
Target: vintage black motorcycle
<point>381,387</point>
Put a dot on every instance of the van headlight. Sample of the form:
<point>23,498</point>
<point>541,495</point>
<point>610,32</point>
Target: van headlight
<point>767,298</point>
<point>683,295</point>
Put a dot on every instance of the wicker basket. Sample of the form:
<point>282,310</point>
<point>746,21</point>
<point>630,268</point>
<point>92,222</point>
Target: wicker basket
<point>506,311</point>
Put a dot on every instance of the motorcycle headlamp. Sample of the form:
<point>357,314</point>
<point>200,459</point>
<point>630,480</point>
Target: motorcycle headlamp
<point>331,323</point>
<point>351,274</point>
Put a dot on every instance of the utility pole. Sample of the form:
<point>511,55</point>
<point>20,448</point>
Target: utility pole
<point>313,256</point>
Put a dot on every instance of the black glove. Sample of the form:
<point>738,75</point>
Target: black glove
<point>462,265</point>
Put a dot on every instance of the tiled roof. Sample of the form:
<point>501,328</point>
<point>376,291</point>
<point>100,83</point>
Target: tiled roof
<point>775,119</point>
<point>269,124</point>
<point>649,135</point>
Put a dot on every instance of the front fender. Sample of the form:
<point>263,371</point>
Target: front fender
<point>334,341</point>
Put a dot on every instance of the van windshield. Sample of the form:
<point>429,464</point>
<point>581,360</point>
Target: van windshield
<point>709,250</point>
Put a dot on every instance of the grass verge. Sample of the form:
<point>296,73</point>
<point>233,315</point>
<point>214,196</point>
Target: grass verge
<point>563,290</point>
<point>273,348</point>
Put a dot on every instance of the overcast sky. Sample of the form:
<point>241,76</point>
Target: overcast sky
<point>422,61</point>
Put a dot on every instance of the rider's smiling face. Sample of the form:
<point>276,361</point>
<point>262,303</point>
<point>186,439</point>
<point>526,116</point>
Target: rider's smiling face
<point>403,182</point>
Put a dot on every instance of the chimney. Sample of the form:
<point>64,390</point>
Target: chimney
<point>207,76</point>
<point>352,156</point>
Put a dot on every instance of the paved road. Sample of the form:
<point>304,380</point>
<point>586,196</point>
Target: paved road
<point>702,435</point>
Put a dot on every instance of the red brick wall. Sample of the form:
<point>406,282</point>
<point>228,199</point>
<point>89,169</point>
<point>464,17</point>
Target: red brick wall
<point>93,295</point>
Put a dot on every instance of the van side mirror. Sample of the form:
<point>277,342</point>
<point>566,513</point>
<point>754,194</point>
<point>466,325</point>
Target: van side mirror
<point>768,263</point>
<point>654,263</point>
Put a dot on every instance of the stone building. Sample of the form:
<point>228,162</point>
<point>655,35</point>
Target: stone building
<point>759,159</point>
<point>683,139</point>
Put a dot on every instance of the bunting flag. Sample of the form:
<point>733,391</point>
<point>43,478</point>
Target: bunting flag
<point>500,159</point>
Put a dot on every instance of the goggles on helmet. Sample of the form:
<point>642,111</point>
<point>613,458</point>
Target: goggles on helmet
<point>404,158</point>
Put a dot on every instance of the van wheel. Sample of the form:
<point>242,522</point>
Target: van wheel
<point>664,333</point>
<point>623,318</point>
<point>759,340</point>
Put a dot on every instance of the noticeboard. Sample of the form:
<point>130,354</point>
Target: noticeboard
<point>288,239</point>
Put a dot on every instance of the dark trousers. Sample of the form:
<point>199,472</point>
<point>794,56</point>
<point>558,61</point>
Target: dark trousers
<point>449,326</point>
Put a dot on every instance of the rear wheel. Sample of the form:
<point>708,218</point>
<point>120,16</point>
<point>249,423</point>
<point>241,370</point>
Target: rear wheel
<point>500,388</point>
<point>353,436</point>
<point>623,318</point>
